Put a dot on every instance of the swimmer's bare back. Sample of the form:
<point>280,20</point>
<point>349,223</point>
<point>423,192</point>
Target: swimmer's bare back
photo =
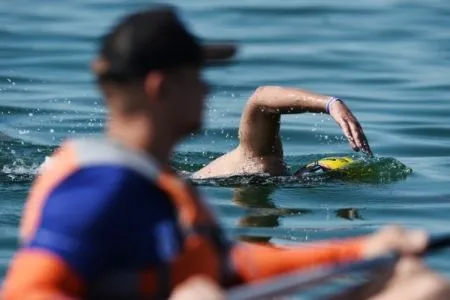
<point>260,149</point>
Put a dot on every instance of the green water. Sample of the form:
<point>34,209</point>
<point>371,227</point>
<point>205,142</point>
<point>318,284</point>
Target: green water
<point>388,59</point>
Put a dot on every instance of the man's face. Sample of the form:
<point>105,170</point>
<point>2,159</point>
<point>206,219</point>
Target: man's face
<point>186,91</point>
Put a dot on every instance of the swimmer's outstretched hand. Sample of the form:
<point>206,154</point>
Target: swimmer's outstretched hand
<point>394,238</point>
<point>409,279</point>
<point>350,126</point>
<point>198,287</point>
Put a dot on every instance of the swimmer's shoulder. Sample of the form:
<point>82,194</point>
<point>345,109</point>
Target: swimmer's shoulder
<point>238,163</point>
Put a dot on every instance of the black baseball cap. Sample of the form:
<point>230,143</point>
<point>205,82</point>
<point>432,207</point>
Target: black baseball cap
<point>154,39</point>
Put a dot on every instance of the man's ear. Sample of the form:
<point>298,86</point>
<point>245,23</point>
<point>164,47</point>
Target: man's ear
<point>153,85</point>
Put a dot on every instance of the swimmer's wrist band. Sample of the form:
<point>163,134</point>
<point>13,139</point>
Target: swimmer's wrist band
<point>330,102</point>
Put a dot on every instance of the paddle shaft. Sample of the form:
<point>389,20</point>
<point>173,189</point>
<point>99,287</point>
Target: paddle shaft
<point>298,280</point>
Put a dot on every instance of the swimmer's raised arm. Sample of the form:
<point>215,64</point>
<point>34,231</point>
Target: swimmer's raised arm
<point>260,122</point>
<point>260,149</point>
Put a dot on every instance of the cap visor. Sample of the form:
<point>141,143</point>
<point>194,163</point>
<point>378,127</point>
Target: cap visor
<point>218,54</point>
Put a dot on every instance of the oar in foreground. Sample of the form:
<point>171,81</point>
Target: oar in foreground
<point>299,280</point>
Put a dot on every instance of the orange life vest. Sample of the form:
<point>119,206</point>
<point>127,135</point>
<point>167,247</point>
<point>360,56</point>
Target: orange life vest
<point>205,249</point>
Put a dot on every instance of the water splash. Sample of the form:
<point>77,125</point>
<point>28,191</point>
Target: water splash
<point>19,160</point>
<point>18,170</point>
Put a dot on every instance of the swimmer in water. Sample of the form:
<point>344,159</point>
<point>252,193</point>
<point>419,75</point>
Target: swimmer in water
<point>260,149</point>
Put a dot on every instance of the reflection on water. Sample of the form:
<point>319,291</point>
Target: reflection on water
<point>262,212</point>
<point>349,214</point>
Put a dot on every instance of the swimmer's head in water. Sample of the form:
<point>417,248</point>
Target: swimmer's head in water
<point>325,165</point>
